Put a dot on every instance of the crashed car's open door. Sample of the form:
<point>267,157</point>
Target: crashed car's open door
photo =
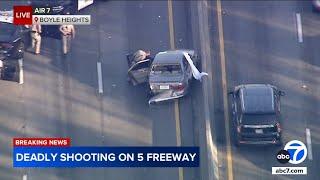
<point>139,72</point>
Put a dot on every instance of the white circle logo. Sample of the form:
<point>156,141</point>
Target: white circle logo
<point>297,151</point>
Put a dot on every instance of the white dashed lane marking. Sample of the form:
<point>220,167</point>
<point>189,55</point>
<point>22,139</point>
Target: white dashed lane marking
<point>20,61</point>
<point>309,144</point>
<point>100,84</point>
<point>24,177</point>
<point>299,28</point>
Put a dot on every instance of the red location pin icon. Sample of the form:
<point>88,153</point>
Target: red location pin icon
<point>36,19</point>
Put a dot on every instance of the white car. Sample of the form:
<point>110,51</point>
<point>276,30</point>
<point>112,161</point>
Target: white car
<point>169,74</point>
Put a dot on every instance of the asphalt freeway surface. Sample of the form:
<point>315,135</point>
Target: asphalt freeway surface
<point>261,43</point>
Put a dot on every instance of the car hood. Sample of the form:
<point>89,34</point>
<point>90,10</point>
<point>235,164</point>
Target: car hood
<point>153,78</point>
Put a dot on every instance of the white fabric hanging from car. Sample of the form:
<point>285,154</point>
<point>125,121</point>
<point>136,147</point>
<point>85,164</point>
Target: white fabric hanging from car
<point>195,72</point>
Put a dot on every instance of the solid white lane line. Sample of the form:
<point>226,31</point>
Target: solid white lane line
<point>99,70</point>
<point>24,177</point>
<point>299,27</point>
<point>20,61</point>
<point>225,89</point>
<point>309,144</point>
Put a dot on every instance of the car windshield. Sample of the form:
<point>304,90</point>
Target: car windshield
<point>166,69</point>
<point>7,29</point>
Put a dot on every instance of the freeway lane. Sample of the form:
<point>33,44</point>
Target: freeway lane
<point>261,46</point>
<point>145,26</point>
<point>311,37</point>
<point>12,124</point>
<point>60,95</point>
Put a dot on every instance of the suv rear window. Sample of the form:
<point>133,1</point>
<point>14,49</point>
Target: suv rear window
<point>258,119</point>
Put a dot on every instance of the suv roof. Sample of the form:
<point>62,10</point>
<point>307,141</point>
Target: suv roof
<point>257,99</point>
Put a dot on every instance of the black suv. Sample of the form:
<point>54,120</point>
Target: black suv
<point>256,114</point>
<point>12,38</point>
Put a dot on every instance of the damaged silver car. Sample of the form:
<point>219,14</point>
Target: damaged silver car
<point>169,74</point>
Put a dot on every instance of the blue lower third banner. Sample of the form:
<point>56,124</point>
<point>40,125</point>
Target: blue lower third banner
<point>106,157</point>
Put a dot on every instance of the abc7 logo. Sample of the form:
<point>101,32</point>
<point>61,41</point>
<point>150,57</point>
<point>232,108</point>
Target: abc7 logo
<point>294,152</point>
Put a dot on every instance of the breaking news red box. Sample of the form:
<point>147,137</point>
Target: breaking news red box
<point>41,141</point>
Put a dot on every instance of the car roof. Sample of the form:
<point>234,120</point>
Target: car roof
<point>257,98</point>
<point>168,57</point>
